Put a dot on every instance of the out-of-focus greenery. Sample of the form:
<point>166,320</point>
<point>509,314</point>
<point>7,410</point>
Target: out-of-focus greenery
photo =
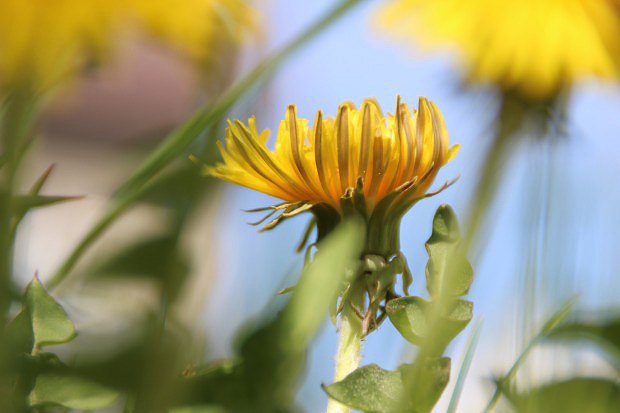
<point>263,375</point>
<point>577,394</point>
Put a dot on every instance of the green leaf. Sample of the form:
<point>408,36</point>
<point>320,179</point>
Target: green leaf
<point>19,333</point>
<point>272,357</point>
<point>24,203</point>
<point>70,392</point>
<point>323,279</point>
<point>42,180</point>
<point>50,323</point>
<point>548,327</point>
<point>424,382</point>
<point>369,389</point>
<point>412,388</point>
<point>154,257</point>
<point>158,258</point>
<point>183,186</point>
<point>578,395</point>
<point>410,316</point>
<point>556,318</point>
<point>407,314</point>
<point>448,272</point>
<point>605,334</point>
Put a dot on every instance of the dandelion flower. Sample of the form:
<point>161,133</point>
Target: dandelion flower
<point>360,162</point>
<point>194,27</point>
<point>535,48</point>
<point>43,42</point>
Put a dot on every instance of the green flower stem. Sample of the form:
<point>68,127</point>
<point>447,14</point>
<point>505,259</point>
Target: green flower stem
<point>348,355</point>
<point>349,347</point>
<point>510,120</point>
<point>516,116</point>
<point>510,375</point>
<point>180,139</point>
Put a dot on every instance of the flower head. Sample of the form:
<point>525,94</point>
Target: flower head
<point>533,47</point>
<point>194,27</point>
<point>44,42</point>
<point>360,162</point>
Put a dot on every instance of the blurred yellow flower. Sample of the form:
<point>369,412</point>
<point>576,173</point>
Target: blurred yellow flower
<point>533,47</point>
<point>193,26</point>
<point>378,162</point>
<point>43,42</point>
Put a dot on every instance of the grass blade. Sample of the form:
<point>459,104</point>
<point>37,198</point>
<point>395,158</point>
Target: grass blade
<point>470,349</point>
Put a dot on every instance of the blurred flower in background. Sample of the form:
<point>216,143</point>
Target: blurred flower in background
<point>535,48</point>
<point>533,52</point>
<point>43,44</point>
<point>194,27</point>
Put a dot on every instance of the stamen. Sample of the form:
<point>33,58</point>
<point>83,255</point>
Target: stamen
<point>446,185</point>
<point>292,210</point>
<point>304,207</point>
<point>263,219</point>
<point>275,207</point>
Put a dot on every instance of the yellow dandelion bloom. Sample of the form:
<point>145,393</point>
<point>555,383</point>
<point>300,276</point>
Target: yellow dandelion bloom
<point>360,160</point>
<point>533,47</point>
<point>44,42</point>
<point>194,27</point>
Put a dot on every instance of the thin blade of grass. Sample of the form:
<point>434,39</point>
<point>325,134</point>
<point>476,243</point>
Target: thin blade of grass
<point>470,349</point>
<point>548,327</point>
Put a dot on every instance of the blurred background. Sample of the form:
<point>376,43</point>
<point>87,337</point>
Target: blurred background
<point>555,227</point>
